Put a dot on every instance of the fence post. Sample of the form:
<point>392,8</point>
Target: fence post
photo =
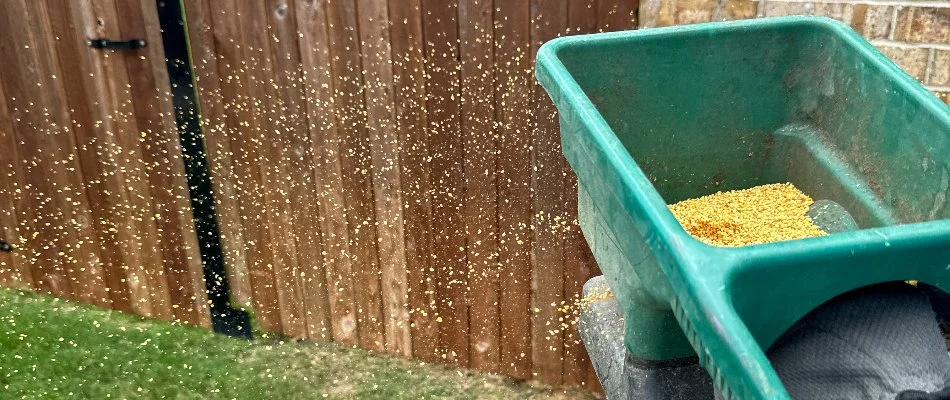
<point>224,318</point>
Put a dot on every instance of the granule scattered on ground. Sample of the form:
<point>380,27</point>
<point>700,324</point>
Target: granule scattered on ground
<point>52,349</point>
<point>762,214</point>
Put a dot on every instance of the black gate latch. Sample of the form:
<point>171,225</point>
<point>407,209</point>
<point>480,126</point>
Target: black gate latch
<point>116,44</point>
<point>4,246</point>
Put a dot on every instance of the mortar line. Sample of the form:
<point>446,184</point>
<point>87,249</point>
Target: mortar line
<point>930,65</point>
<point>910,45</point>
<point>893,27</point>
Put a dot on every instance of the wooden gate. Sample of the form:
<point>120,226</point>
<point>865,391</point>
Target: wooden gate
<point>92,189</point>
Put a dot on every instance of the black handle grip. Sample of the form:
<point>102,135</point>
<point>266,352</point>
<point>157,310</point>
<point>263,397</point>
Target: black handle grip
<point>116,44</point>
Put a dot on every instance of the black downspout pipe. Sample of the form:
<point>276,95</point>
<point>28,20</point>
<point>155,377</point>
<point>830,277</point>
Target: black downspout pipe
<point>224,318</point>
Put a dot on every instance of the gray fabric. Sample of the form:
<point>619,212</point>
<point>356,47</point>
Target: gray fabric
<point>869,344</point>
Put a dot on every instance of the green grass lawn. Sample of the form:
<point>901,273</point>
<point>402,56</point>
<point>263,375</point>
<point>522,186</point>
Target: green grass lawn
<point>52,348</point>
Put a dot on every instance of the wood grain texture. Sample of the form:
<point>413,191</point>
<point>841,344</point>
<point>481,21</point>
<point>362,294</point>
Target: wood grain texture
<point>109,153</point>
<point>383,132</point>
<point>327,167</point>
<point>100,106</point>
<point>54,210</point>
<point>48,278</point>
<point>616,15</point>
<point>233,68</point>
<point>310,279</point>
<point>582,16</point>
<point>163,155</point>
<point>82,263</point>
<point>224,180</point>
<point>409,76</point>
<point>356,162</point>
<point>549,20</point>
<point>447,177</point>
<point>513,106</point>
<point>269,120</point>
<point>476,51</point>
<point>14,269</point>
<point>288,200</point>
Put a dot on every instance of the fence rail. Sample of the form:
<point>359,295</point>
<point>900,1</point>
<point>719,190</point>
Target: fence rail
<point>386,173</point>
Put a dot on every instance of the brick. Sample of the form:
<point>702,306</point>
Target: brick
<point>940,69</point>
<point>693,11</point>
<point>654,13</point>
<point>872,21</point>
<point>741,9</point>
<point>923,25</point>
<point>838,11</point>
<point>912,60</point>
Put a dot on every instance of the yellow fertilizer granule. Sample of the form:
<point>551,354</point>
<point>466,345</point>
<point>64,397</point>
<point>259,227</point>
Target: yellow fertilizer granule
<point>597,293</point>
<point>762,214</point>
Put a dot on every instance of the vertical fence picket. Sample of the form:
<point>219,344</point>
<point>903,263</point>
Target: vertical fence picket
<point>447,177</point>
<point>513,105</point>
<point>381,122</point>
<point>409,76</point>
<point>476,52</point>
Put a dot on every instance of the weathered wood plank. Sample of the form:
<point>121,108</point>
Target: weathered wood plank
<point>98,92</point>
<point>356,167</point>
<point>384,141</point>
<point>513,104</point>
<point>14,269</point>
<point>266,102</point>
<point>60,241</point>
<point>481,210</point>
<point>218,145</point>
<point>233,68</point>
<point>154,111</point>
<point>582,16</point>
<point>409,76</point>
<point>447,179</point>
<point>616,15</point>
<point>327,164</point>
<point>85,266</point>
<point>11,74</point>
<point>579,266</point>
<point>549,19</point>
<point>293,120</point>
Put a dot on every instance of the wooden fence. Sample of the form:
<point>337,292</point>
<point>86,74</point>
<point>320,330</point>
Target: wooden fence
<point>386,173</point>
<point>92,185</point>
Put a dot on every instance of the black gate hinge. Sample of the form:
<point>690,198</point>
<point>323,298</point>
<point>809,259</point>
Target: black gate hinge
<point>116,44</point>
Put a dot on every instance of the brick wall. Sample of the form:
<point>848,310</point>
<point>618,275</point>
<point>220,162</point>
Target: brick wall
<point>913,33</point>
